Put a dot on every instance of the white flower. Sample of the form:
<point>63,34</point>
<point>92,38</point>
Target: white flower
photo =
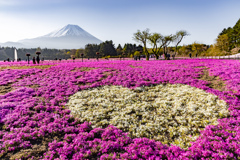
<point>168,113</point>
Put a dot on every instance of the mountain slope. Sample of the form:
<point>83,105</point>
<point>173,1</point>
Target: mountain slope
<point>70,30</point>
<point>68,37</point>
<point>12,44</point>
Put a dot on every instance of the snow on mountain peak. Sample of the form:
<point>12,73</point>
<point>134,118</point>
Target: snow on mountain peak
<point>69,30</point>
<point>68,37</point>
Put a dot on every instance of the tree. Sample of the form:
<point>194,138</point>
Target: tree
<point>139,48</point>
<point>154,39</point>
<point>73,51</point>
<point>223,42</point>
<point>78,53</point>
<point>182,50</point>
<point>38,49</point>
<point>119,50</point>
<point>129,49</point>
<point>91,49</point>
<point>236,34</point>
<point>137,53</point>
<point>225,31</point>
<point>119,47</point>
<point>142,37</point>
<point>166,41</point>
<point>178,38</point>
<point>107,49</point>
<point>197,48</point>
<point>233,35</point>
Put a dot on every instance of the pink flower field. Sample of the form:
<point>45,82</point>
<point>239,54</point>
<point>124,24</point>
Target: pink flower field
<point>36,122</point>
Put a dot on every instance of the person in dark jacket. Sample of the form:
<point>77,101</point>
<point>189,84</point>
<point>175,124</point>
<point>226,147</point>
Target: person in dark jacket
<point>34,60</point>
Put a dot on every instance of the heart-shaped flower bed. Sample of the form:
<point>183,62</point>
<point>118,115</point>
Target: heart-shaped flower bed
<point>171,113</point>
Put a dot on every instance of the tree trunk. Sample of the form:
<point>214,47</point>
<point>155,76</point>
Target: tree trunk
<point>176,50</point>
<point>146,52</point>
<point>165,53</point>
<point>165,56</point>
<point>147,57</point>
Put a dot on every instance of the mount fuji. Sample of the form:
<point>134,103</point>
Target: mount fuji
<point>68,37</point>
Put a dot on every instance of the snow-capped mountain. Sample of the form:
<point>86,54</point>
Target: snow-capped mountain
<point>69,30</point>
<point>68,37</point>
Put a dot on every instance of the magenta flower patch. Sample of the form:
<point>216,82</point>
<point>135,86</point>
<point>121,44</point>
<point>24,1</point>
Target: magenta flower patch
<point>35,122</point>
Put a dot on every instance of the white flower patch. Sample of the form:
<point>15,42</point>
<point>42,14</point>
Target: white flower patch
<point>172,113</point>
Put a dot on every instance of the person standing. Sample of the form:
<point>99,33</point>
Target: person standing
<point>190,55</point>
<point>34,60</point>
<point>168,56</point>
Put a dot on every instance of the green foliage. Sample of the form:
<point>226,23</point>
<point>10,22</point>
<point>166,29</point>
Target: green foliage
<point>119,50</point>
<point>129,49</point>
<point>107,57</point>
<point>107,48</point>
<point>38,49</point>
<point>91,49</point>
<point>137,53</point>
<point>79,52</point>
<point>228,39</point>
<point>225,31</point>
<point>185,49</point>
<point>214,51</point>
<point>223,43</point>
<point>196,48</point>
<point>236,34</point>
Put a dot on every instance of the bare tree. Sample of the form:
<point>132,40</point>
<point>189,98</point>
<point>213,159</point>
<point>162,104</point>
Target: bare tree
<point>154,39</point>
<point>178,38</point>
<point>143,36</point>
<point>166,41</point>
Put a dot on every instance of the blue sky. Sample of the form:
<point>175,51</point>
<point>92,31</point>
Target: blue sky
<point>117,20</point>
